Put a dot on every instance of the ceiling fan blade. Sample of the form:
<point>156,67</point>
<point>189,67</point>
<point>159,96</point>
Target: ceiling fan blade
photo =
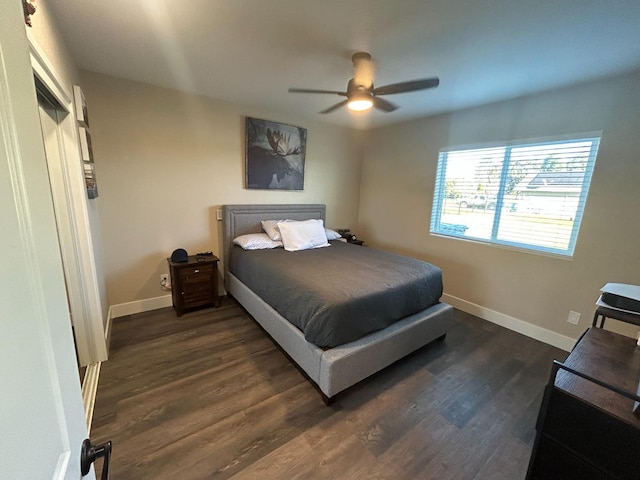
<point>383,105</point>
<point>306,90</point>
<point>335,107</point>
<point>407,86</point>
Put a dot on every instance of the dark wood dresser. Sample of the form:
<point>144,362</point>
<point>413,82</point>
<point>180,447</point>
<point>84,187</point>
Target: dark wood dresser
<point>194,284</point>
<point>586,426</point>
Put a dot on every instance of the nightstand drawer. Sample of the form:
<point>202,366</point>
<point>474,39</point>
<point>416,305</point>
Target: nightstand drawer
<point>195,273</point>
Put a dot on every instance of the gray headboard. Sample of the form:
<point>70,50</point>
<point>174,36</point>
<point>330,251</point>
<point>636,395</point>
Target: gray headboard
<point>243,219</point>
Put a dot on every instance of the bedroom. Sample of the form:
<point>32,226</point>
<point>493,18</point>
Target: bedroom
<point>169,128</point>
<point>136,129</point>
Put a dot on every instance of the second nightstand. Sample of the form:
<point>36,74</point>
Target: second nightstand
<point>194,284</point>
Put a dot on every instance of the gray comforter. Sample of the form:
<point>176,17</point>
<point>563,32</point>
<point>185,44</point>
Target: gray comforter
<point>339,293</point>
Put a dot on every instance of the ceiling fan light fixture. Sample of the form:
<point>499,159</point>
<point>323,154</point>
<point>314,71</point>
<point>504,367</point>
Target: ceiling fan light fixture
<point>361,95</point>
<point>359,103</point>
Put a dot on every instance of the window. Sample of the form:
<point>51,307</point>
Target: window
<point>527,195</point>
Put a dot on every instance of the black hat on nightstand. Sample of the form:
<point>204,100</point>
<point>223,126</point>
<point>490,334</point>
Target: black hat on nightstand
<point>179,256</point>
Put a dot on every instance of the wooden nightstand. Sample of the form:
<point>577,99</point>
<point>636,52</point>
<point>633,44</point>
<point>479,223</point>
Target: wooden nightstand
<point>194,284</point>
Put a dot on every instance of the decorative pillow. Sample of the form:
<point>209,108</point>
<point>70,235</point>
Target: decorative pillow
<point>256,241</point>
<point>271,228</point>
<point>303,235</point>
<point>331,234</point>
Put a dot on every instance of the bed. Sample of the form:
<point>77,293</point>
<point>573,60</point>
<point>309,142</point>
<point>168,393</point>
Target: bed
<point>332,369</point>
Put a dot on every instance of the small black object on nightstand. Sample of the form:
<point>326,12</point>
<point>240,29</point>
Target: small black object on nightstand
<point>203,256</point>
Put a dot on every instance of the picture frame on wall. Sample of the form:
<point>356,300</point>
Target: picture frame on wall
<point>90,179</point>
<point>84,137</point>
<point>275,155</point>
<point>85,144</point>
<point>82,115</point>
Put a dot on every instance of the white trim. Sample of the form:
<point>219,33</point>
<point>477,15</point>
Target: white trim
<point>524,141</point>
<point>45,72</point>
<point>107,330</point>
<point>525,328</point>
<point>62,467</point>
<point>89,391</point>
<point>78,255</point>
<point>139,306</point>
<point>503,246</point>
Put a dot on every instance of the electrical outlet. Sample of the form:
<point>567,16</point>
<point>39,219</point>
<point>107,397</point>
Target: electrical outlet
<point>164,281</point>
<point>574,318</point>
<point>219,214</point>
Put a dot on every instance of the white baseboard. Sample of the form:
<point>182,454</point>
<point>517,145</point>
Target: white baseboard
<point>530,330</point>
<point>139,306</point>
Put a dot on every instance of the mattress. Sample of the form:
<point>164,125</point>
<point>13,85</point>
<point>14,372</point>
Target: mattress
<point>341,293</point>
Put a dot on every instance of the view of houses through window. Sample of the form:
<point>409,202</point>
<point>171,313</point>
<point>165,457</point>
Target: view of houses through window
<point>528,195</point>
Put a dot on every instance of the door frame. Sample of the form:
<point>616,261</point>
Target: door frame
<point>76,243</point>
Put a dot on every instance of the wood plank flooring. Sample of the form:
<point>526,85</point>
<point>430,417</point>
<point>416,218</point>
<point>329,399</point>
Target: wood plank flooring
<point>208,395</point>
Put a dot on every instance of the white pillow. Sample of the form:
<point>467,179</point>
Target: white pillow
<point>303,235</point>
<point>332,234</point>
<point>271,228</point>
<point>256,241</point>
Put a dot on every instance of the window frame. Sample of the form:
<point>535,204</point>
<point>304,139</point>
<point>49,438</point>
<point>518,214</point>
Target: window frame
<point>439,194</point>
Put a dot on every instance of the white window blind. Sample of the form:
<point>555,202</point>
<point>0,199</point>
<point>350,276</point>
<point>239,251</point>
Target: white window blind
<point>526,195</point>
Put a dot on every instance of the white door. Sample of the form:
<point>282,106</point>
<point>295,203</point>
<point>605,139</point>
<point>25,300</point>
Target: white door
<point>41,414</point>
<point>49,124</point>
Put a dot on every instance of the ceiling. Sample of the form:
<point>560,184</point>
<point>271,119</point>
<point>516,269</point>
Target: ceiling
<point>251,51</point>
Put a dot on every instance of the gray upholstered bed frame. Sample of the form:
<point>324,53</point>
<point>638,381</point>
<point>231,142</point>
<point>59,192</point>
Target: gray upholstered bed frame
<point>338,368</point>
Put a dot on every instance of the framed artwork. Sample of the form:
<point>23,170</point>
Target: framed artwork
<point>85,144</point>
<point>275,155</point>
<point>86,151</point>
<point>81,106</point>
<point>90,179</point>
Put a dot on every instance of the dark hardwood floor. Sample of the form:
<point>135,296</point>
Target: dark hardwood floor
<point>210,396</point>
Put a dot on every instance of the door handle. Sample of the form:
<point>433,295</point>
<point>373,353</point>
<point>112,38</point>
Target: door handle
<point>90,453</point>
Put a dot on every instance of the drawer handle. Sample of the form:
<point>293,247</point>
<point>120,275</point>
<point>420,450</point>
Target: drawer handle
<point>196,271</point>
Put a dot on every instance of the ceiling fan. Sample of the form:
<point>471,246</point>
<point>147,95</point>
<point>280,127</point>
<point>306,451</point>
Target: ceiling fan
<point>362,95</point>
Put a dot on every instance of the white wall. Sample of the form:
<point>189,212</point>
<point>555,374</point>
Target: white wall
<point>398,177</point>
<point>165,161</point>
